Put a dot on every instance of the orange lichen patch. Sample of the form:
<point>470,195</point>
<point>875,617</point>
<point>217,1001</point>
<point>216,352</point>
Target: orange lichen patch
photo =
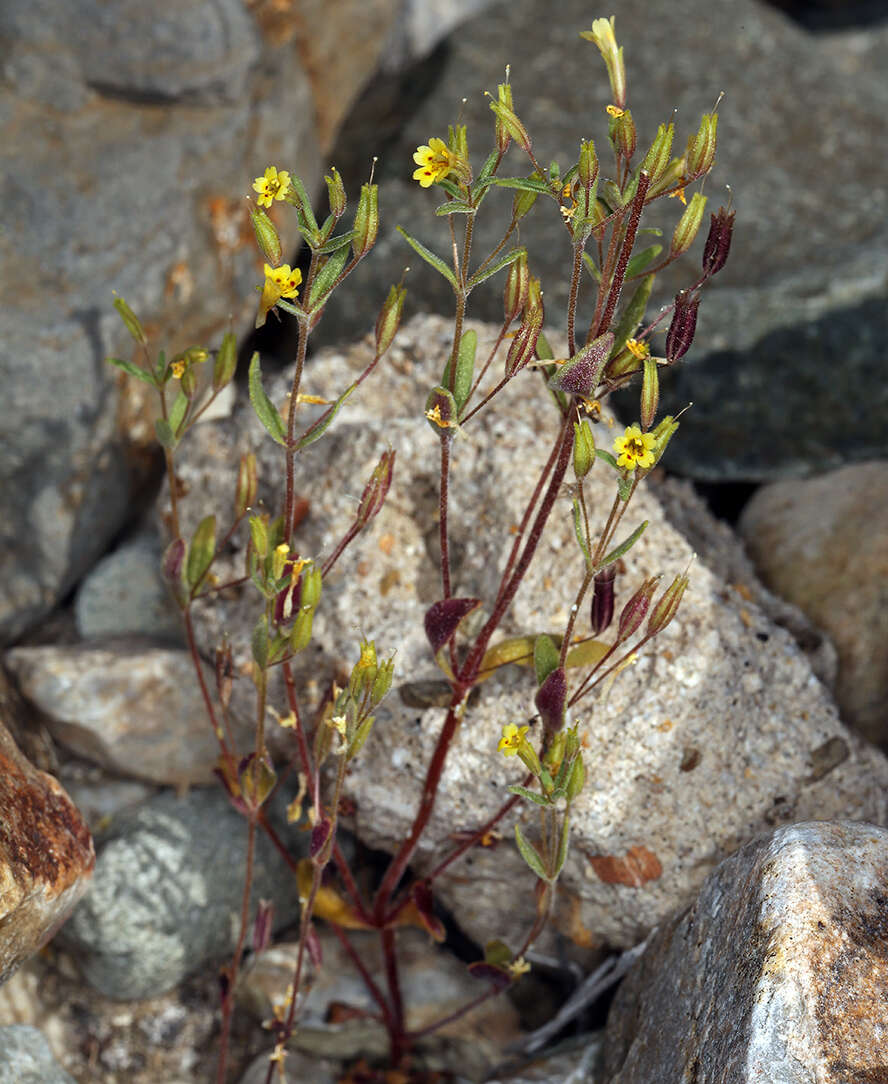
<point>179,284</point>
<point>389,580</point>
<point>635,868</point>
<point>743,591</point>
<point>665,726</point>
<point>387,543</point>
<point>569,919</point>
<point>746,618</point>
<point>278,20</point>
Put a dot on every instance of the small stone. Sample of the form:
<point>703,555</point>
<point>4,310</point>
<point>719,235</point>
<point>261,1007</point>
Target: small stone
<point>777,972</point>
<point>25,1058</point>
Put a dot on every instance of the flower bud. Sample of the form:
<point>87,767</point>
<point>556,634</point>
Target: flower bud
<point>504,96</point>
<point>718,242</point>
<point>335,193</point>
<point>688,225</point>
<point>517,283</point>
<point>226,362</point>
<point>389,319</point>
<point>701,147</point>
<point>312,584</point>
<point>587,172</point>
<point>259,535</point>
<point>650,392</point>
<point>551,700</point>
<point>657,158</point>
<point>523,200</point>
<point>441,412</point>
<point>366,224</point>
<point>662,435</point>
<point>173,560</point>
<point>523,347</point>
<point>376,489</point>
<point>266,236</point>
<point>247,484</point>
<point>256,779</point>
<point>279,560</point>
<point>667,605</point>
<point>602,609</point>
<point>635,610</point>
<point>131,321</point>
<point>224,673</point>
<point>507,118</point>
<point>300,634</point>
<point>577,778</point>
<point>581,374</point>
<point>382,682</point>
<point>602,33</point>
<point>621,129</point>
<point>684,323</point>
<point>320,836</point>
<point>583,449</point>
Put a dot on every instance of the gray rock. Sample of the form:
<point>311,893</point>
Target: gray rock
<point>167,893</point>
<point>777,972</point>
<point>297,1069</point>
<point>132,707</point>
<point>793,327</point>
<point>719,732</point>
<point>822,543</point>
<point>125,595</point>
<point>136,193</point>
<point>25,1058</point>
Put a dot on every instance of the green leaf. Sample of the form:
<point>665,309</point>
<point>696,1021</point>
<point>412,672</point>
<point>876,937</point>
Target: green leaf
<point>625,545</point>
<point>591,267</point>
<point>579,531</point>
<point>454,207</point>
<point>266,411</point>
<point>429,257</point>
<point>201,552</point>
<point>226,362</point>
<point>624,488</point>
<point>259,642</point>
<point>465,368</point>
<point>165,434</point>
<point>641,260</point>
<point>325,279</point>
<point>530,795</point>
<point>607,457</point>
<point>317,430</point>
<point>132,369</point>
<point>524,183</point>
<point>530,855</point>
<point>491,269</point>
<point>633,314</point>
<point>178,412</point>
<point>304,204</point>
<point>561,857</point>
<point>545,657</point>
<point>335,243</point>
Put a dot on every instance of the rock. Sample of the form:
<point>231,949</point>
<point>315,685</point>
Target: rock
<point>721,732</point>
<point>579,1065</point>
<point>25,1058</point>
<point>145,132</point>
<point>803,293</point>
<point>297,1069</point>
<point>777,972</point>
<point>130,706</point>
<point>167,895</point>
<point>434,984</point>
<point>822,543</point>
<point>124,595</point>
<point>46,856</point>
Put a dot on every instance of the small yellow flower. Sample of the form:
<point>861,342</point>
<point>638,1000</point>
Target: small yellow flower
<point>283,279</point>
<point>518,967</point>
<point>434,416</point>
<point>273,185</point>
<point>435,161</point>
<point>637,348</point>
<point>614,111</point>
<point>178,369</point>
<point>635,449</point>
<point>512,739</point>
<point>680,192</point>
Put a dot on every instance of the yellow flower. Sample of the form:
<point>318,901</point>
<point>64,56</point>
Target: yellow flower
<point>518,967</point>
<point>178,369</point>
<point>273,185</point>
<point>638,349</point>
<point>284,280</point>
<point>635,449</point>
<point>512,739</point>
<point>680,192</point>
<point>435,161</point>
<point>614,111</point>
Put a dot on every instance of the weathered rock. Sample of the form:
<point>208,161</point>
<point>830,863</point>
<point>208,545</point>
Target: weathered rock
<point>145,131</point>
<point>167,895</point>
<point>777,972</point>
<point>25,1058</point>
<point>46,856</point>
<point>719,732</point>
<point>124,595</point>
<point>130,706</point>
<point>794,324</point>
<point>822,543</point>
<point>296,1069</point>
<point>434,984</point>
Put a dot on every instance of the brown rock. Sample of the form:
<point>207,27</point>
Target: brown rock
<point>46,856</point>
<point>822,544</point>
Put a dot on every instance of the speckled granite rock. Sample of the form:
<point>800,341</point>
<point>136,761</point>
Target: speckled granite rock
<point>25,1058</point>
<point>721,733</point>
<point>777,972</point>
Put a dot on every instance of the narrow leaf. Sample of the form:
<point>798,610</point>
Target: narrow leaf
<point>465,368</point>
<point>641,260</point>
<point>561,857</point>
<point>178,412</point>
<point>335,243</point>
<point>524,183</point>
<point>325,279</point>
<point>545,657</point>
<point>454,207</point>
<point>633,314</point>
<point>482,274</point>
<point>530,795</point>
<point>266,411</point>
<point>580,532</point>
<point>429,257</point>
<point>591,267</point>
<point>259,642</point>
<point>132,369</point>
<point>625,545</point>
<point>201,552</point>
<point>317,430</point>
<point>164,433</point>
<point>530,854</point>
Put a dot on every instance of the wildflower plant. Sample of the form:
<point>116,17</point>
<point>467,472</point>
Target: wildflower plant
<point>599,219</point>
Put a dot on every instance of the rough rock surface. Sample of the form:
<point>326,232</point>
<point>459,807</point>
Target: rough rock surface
<point>777,972</point>
<point>46,856</point>
<point>719,733</point>
<point>167,894</point>
<point>803,293</point>
<point>25,1058</point>
<point>822,543</point>
<point>132,707</point>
